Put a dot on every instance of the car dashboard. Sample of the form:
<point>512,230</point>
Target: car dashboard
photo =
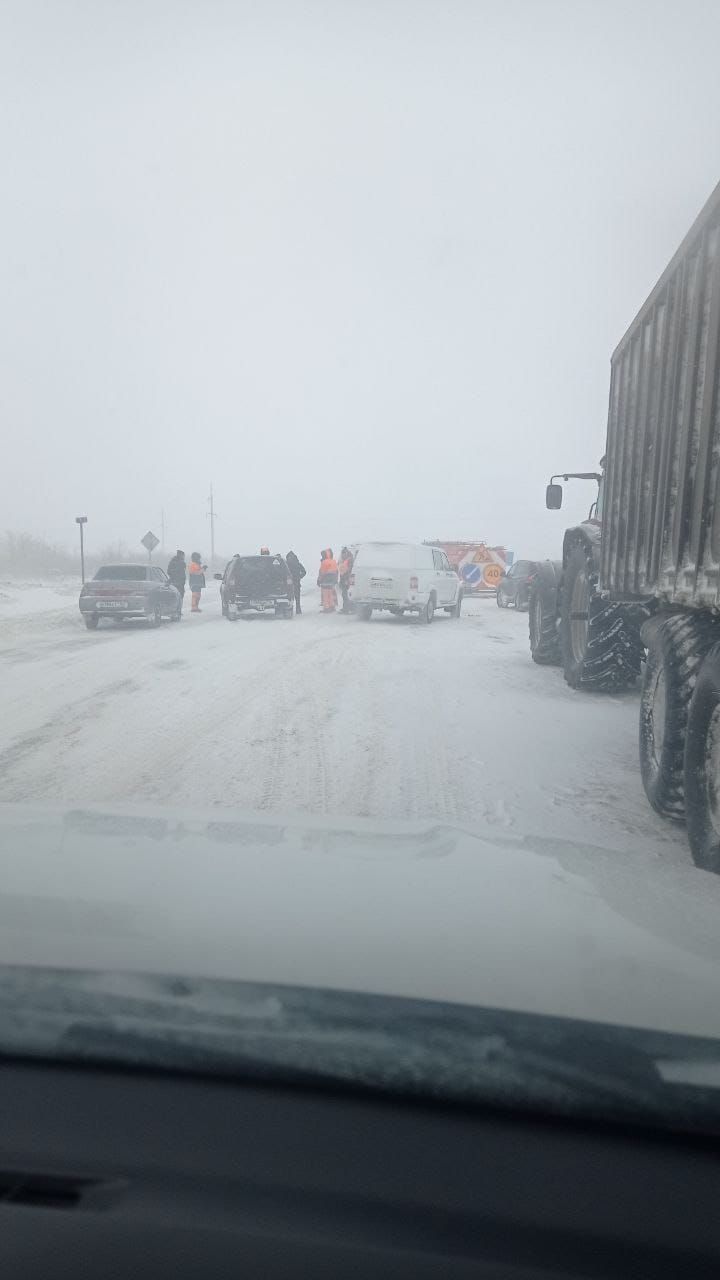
<point>120,1173</point>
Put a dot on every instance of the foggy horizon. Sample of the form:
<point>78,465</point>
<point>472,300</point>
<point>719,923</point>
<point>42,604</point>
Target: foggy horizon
<point>362,269</point>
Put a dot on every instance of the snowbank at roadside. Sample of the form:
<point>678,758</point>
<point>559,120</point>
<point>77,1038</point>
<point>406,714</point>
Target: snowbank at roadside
<point>36,595</point>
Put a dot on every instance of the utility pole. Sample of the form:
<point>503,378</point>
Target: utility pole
<point>212,529</point>
<point>162,531</point>
<point>82,520</point>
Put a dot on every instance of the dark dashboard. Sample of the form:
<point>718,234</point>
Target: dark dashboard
<point>119,1173</point>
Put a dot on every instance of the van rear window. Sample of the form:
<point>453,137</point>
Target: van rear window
<point>387,555</point>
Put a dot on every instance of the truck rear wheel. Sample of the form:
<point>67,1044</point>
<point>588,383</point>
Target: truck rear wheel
<point>702,765</point>
<point>601,648</point>
<point>676,646</point>
<point>544,638</point>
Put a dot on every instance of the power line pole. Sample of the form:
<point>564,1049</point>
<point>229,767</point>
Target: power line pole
<point>162,531</point>
<point>212,529</point>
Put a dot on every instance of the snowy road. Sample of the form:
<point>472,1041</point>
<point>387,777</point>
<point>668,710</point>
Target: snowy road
<point>324,715</point>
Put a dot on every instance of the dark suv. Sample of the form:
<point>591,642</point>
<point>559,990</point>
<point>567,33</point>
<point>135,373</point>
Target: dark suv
<point>256,583</point>
<point>130,591</point>
<point>514,586</point>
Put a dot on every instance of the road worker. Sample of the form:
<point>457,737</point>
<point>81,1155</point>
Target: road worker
<point>196,580</point>
<point>344,571</point>
<point>327,580</point>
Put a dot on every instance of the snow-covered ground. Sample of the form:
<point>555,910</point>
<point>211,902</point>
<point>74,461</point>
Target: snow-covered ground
<point>219,733</point>
<point>322,715</point>
<point>340,721</point>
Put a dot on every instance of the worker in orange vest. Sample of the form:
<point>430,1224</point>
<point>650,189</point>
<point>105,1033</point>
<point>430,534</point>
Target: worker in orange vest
<point>327,580</point>
<point>196,580</point>
<point>344,570</point>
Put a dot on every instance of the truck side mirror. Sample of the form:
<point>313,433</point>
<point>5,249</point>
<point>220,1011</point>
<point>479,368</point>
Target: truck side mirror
<point>553,497</point>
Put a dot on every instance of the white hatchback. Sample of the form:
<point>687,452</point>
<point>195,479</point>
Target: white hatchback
<point>404,577</point>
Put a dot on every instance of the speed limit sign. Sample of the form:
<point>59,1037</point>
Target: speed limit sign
<point>492,573</point>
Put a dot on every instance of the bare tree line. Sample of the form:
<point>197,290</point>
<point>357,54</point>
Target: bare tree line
<point>24,553</point>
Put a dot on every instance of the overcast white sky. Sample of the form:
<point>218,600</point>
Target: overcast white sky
<point>361,264</point>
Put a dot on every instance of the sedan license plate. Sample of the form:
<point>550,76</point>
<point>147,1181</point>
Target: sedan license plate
<point>110,604</point>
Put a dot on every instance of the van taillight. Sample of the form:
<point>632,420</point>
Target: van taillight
<point>352,579</point>
<point>413,584</point>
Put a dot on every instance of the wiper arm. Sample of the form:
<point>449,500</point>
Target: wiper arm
<point>335,1039</point>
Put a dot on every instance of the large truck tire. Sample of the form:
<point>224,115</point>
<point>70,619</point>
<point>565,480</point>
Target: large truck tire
<point>702,765</point>
<point>676,647</point>
<point>543,619</point>
<point>601,645</point>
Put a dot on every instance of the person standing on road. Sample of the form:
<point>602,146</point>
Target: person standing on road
<point>327,580</point>
<point>297,572</point>
<point>177,573</point>
<point>196,578</point>
<point>344,570</point>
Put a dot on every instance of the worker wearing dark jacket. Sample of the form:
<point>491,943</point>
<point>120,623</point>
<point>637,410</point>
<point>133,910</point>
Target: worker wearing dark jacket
<point>297,572</point>
<point>177,573</point>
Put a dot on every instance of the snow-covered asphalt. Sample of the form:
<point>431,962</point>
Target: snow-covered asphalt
<point>324,715</point>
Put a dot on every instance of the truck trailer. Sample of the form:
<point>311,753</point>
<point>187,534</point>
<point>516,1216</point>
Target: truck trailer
<point>638,585</point>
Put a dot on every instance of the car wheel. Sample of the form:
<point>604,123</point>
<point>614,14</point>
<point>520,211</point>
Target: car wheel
<point>457,607</point>
<point>428,613</point>
<point>500,600</point>
<point>91,621</point>
<point>365,613</point>
<point>155,616</point>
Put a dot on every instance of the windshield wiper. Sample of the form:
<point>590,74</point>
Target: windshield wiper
<point>328,1039</point>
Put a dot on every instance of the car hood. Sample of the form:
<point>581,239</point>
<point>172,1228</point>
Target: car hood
<point>427,911</point>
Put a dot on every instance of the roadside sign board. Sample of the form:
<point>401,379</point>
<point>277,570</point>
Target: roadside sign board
<point>150,541</point>
<point>481,567</point>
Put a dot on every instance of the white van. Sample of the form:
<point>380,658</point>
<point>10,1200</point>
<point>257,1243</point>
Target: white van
<point>403,577</point>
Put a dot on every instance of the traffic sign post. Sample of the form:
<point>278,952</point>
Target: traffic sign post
<point>82,520</point>
<point>150,542</point>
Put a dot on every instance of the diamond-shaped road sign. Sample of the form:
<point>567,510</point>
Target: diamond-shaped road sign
<point>150,541</point>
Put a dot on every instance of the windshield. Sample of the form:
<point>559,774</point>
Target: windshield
<point>121,573</point>
<point>319,326</point>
